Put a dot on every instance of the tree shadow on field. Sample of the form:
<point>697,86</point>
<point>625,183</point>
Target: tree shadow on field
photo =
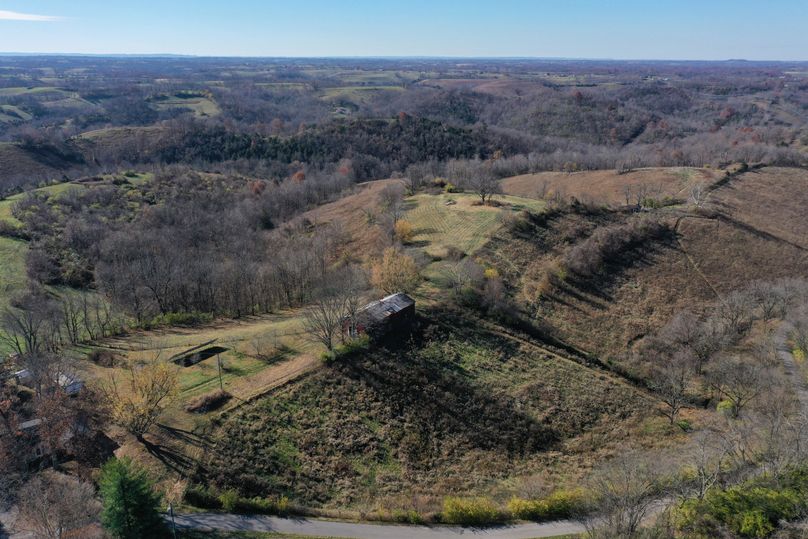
<point>601,285</point>
<point>185,436</point>
<point>171,457</point>
<point>435,396</point>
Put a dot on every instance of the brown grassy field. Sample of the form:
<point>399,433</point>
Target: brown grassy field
<point>772,200</point>
<point>607,186</point>
<point>492,86</point>
<point>14,161</point>
<point>758,238</point>
<point>352,215</point>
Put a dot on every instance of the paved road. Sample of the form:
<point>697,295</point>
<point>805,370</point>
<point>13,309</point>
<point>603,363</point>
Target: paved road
<point>328,528</point>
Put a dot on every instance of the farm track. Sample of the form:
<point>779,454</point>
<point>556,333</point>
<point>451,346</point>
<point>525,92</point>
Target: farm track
<point>790,366</point>
<point>690,259</point>
<point>275,378</point>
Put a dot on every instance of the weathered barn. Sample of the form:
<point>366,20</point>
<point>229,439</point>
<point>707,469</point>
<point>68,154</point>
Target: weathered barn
<point>394,313</point>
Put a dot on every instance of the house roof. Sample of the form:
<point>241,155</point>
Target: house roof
<point>380,309</point>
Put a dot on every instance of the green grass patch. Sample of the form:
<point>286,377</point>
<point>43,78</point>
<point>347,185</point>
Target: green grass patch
<point>12,114</point>
<point>55,190</point>
<point>12,270</point>
<point>16,91</point>
<point>201,105</point>
<point>452,220</point>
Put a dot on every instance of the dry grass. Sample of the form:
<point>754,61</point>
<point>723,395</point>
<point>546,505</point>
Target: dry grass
<point>353,216</point>
<point>606,186</point>
<point>773,200</point>
<point>635,296</point>
<point>729,256</point>
<point>14,161</point>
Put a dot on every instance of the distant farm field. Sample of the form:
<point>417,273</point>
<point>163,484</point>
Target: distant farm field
<point>12,114</point>
<point>201,105</point>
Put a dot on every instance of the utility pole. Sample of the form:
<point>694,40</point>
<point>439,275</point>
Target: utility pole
<point>173,524</point>
<point>219,363</point>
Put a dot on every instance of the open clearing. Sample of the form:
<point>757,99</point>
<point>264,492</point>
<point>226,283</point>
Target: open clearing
<point>357,93</point>
<point>607,186</point>
<point>12,114</point>
<point>201,105</point>
<point>458,220</point>
<point>772,200</point>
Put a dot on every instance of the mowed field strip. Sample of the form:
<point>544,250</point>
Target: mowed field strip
<point>454,220</point>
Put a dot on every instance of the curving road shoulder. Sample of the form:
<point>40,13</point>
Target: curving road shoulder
<point>329,528</point>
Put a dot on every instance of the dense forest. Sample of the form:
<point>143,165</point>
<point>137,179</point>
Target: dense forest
<point>80,116</point>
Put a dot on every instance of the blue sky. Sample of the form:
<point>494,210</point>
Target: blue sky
<point>626,29</point>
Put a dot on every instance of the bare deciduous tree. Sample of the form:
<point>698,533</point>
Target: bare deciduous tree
<point>702,464</point>
<point>698,193</point>
<point>670,382</point>
<point>51,505</point>
<point>739,381</point>
<point>623,492</point>
<point>485,184</point>
<point>324,318</point>
<point>30,325</point>
<point>735,311</point>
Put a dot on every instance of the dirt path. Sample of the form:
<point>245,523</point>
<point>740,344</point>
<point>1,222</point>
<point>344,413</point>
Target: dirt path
<point>250,388</point>
<point>327,528</point>
<point>690,259</point>
<point>785,355</point>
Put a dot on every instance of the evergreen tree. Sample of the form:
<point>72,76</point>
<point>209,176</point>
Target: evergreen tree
<point>131,506</point>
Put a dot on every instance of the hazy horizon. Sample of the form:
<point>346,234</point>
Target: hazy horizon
<point>686,30</point>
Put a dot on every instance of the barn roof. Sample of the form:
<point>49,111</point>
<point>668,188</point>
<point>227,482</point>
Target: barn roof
<point>380,309</point>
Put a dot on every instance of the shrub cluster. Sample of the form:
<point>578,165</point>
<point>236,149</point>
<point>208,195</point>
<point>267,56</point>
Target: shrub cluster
<point>751,509</point>
<point>231,502</point>
<point>189,319</point>
<point>606,243</point>
<point>560,504</point>
<point>471,512</point>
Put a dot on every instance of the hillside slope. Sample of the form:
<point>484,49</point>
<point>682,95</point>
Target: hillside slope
<point>750,229</point>
<point>457,410</point>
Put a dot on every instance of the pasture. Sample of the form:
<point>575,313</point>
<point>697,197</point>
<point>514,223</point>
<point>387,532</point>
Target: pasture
<point>12,114</point>
<point>12,271</point>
